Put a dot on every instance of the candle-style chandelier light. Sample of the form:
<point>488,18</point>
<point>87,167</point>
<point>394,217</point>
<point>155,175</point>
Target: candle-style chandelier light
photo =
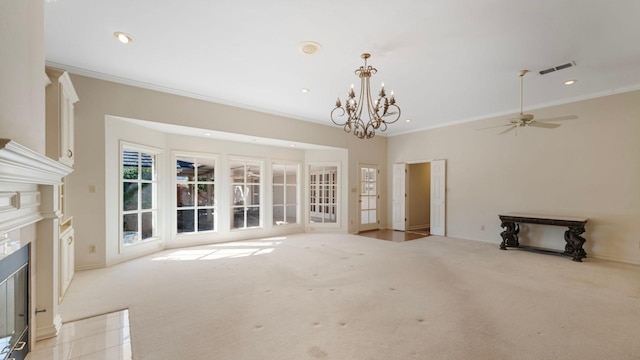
<point>380,112</point>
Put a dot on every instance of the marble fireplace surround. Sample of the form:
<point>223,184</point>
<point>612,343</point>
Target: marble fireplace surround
<point>29,211</point>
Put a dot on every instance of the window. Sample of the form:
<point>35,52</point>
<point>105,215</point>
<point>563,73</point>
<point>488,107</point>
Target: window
<point>195,194</point>
<point>323,194</point>
<point>285,193</point>
<point>139,210</point>
<point>245,193</point>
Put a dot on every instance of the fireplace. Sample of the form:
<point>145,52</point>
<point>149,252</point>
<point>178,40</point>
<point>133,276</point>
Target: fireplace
<point>29,224</point>
<point>14,300</point>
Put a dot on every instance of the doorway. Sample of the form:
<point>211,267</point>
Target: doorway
<point>418,197</point>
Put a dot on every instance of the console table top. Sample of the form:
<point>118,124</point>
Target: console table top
<point>546,217</point>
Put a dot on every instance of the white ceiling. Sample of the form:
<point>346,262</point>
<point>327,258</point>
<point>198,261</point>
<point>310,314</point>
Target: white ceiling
<point>447,61</point>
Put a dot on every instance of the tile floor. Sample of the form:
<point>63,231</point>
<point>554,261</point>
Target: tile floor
<point>102,337</point>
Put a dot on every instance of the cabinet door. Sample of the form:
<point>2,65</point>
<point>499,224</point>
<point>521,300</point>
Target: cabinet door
<point>67,261</point>
<point>66,127</point>
<point>67,97</point>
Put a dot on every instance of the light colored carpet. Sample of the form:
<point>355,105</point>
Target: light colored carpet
<point>313,296</point>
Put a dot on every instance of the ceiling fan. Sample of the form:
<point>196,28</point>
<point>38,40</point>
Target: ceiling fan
<point>528,119</point>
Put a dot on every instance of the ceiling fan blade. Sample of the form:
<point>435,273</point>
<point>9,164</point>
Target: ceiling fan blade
<point>495,126</point>
<point>513,127</point>
<point>559,118</point>
<point>543,125</point>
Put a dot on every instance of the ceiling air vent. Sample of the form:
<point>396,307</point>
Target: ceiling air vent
<point>557,68</point>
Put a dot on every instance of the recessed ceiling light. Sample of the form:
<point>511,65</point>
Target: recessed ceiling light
<point>408,121</point>
<point>123,37</point>
<point>293,145</point>
<point>570,82</point>
<point>309,47</point>
<point>304,90</point>
<point>207,134</point>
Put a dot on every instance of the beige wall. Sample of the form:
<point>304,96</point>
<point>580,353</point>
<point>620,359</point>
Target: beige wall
<point>419,199</point>
<point>100,98</point>
<point>22,84</point>
<point>22,78</point>
<point>587,167</point>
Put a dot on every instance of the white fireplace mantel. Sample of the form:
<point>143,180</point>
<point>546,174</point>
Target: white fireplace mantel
<point>29,196</point>
<point>22,170</point>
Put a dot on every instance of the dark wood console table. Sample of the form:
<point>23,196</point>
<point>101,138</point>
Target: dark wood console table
<point>574,242</point>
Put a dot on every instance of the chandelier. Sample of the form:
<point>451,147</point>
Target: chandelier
<point>380,112</point>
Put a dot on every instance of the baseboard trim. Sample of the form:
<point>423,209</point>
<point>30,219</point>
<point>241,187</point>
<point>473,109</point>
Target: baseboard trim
<point>89,267</point>
<point>615,258</point>
<point>416,227</point>
<point>589,255</point>
<point>50,331</point>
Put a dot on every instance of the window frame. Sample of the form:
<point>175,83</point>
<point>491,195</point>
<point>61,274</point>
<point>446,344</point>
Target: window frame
<point>195,207</point>
<point>261,196</point>
<point>155,191</point>
<point>298,200</point>
<point>310,192</point>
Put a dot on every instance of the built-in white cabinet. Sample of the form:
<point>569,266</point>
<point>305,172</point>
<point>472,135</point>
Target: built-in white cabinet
<point>60,99</point>
<point>60,122</point>
<point>67,262</point>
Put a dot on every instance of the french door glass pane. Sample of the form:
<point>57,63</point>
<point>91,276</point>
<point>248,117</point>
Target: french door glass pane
<point>253,216</point>
<point>129,228</point>
<point>278,194</point>
<point>205,219</point>
<point>148,171</point>
<point>206,194</point>
<point>186,222</point>
<point>147,196</point>
<point>253,173</point>
<point>184,195</point>
<point>129,196</point>
<point>292,214</point>
<point>238,194</point>
<point>331,218</point>
<point>278,173</point>
<point>147,224</point>
<point>130,162</point>
<point>237,220</point>
<point>237,171</point>
<point>254,193</point>
<point>291,194</point>
<point>206,169</point>
<point>185,170</point>
<point>278,215</point>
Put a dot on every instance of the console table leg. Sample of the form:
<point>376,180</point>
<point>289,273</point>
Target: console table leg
<point>574,243</point>
<point>509,235</point>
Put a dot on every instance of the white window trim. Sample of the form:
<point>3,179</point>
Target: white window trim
<point>307,202</point>
<point>299,200</point>
<point>229,183</point>
<point>216,194</point>
<point>130,146</point>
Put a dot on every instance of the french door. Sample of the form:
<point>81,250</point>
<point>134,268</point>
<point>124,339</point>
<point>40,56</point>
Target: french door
<point>368,197</point>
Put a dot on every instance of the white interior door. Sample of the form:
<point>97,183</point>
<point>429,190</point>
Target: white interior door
<point>438,192</point>
<point>368,197</point>
<point>399,203</point>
